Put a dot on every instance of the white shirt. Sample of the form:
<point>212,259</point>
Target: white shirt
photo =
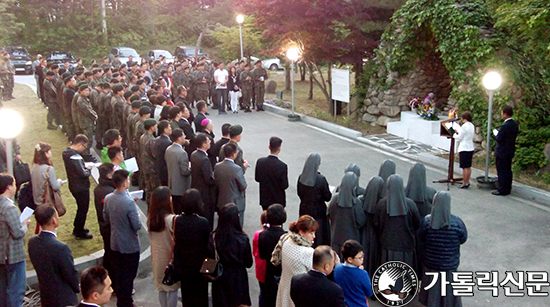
<point>221,76</point>
<point>466,137</point>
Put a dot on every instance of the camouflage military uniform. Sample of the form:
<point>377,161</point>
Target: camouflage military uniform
<point>50,97</point>
<point>60,86</point>
<point>260,74</point>
<point>131,121</point>
<point>247,86</point>
<point>94,99</point>
<point>68,94</point>
<point>148,164</point>
<point>86,118</point>
<point>201,88</point>
<point>188,82</point>
<point>104,115</point>
<point>4,79</point>
<point>10,82</point>
<point>177,80</point>
<point>117,112</point>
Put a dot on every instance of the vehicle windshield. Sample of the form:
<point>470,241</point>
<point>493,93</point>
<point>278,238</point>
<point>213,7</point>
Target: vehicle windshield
<point>19,52</point>
<point>61,56</point>
<point>128,52</point>
<point>191,51</point>
<point>165,54</point>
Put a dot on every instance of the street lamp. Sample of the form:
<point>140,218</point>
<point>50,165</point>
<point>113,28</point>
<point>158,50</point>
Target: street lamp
<point>491,81</point>
<point>293,54</point>
<point>240,21</point>
<point>11,125</point>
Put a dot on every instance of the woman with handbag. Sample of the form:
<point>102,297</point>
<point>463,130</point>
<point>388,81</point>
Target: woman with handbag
<point>233,247</point>
<point>192,233</point>
<point>42,172</point>
<point>160,218</point>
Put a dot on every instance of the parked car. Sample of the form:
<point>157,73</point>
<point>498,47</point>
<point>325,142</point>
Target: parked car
<point>186,52</point>
<point>124,53</point>
<point>59,57</point>
<point>20,59</point>
<point>154,55</point>
<point>272,64</point>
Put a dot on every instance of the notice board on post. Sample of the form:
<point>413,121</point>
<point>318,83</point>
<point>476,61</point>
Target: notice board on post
<point>340,85</point>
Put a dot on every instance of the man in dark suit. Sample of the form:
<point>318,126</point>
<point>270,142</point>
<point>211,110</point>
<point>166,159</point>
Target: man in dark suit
<point>314,288</point>
<point>96,287</point>
<point>224,140</point>
<point>53,262</point>
<point>201,114</point>
<point>504,151</point>
<point>272,174</point>
<point>230,181</point>
<point>202,176</point>
<point>179,173</point>
<point>161,143</point>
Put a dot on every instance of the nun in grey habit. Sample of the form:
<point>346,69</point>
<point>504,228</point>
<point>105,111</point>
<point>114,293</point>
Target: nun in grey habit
<point>397,220</point>
<point>442,234</point>
<point>370,241</point>
<point>418,191</point>
<point>352,167</point>
<point>314,191</point>
<point>346,214</point>
<point>386,169</point>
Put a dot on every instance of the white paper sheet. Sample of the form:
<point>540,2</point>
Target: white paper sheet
<point>95,174</point>
<point>27,212</point>
<point>131,165</point>
<point>138,194</point>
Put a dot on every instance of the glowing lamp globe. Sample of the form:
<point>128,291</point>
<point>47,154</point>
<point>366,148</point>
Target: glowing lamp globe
<point>11,124</point>
<point>293,54</point>
<point>240,19</point>
<point>492,80</point>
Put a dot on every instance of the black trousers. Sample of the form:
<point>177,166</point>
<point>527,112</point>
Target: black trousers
<point>108,256</point>
<point>126,266</point>
<point>505,175</point>
<point>82,203</point>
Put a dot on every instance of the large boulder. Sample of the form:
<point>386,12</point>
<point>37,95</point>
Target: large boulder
<point>271,87</point>
<point>373,109</point>
<point>384,120</point>
<point>369,118</point>
<point>390,111</point>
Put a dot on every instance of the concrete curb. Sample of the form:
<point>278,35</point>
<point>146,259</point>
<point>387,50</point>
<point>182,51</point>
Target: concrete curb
<point>520,190</point>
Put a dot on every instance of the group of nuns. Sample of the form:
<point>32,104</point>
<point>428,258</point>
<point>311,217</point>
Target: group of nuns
<point>384,217</point>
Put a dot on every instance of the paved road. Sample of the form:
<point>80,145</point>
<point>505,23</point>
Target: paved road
<point>505,233</point>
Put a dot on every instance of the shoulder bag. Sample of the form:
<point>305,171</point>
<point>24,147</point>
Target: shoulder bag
<point>53,198</point>
<point>170,275</point>
<point>212,268</point>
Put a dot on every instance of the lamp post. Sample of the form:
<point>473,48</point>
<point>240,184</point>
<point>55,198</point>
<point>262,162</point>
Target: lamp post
<point>293,54</point>
<point>240,21</point>
<point>11,125</point>
<point>491,81</point>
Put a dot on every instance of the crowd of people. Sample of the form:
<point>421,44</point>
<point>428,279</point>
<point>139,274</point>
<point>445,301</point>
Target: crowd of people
<point>327,257</point>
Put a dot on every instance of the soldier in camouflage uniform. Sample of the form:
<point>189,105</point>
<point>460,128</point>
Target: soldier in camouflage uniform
<point>260,75</point>
<point>68,94</point>
<point>177,78</point>
<point>155,71</point>
<point>4,77</point>
<point>86,118</point>
<point>247,83</point>
<point>8,86</point>
<point>116,62</point>
<point>148,163</point>
<point>103,112</point>
<point>201,80</point>
<point>117,107</point>
<point>189,85</point>
<point>96,78</point>
<point>50,98</point>
<point>130,125</point>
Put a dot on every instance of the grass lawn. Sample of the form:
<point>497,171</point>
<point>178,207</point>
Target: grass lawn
<point>34,130</point>
<point>318,107</point>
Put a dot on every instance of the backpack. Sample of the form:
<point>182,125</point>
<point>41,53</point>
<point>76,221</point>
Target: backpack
<point>25,197</point>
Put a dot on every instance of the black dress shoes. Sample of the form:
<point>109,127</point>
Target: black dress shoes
<point>499,193</point>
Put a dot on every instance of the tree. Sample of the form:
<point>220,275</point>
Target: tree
<point>10,27</point>
<point>228,40</point>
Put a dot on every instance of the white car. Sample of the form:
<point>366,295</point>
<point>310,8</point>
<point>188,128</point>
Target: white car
<point>123,54</point>
<point>271,64</point>
<point>154,55</point>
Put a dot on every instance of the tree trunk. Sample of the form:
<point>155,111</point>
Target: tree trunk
<point>302,71</point>
<point>199,40</point>
<point>310,70</point>
<point>321,83</point>
<point>287,76</point>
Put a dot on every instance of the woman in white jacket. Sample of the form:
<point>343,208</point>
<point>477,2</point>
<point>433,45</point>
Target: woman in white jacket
<point>465,137</point>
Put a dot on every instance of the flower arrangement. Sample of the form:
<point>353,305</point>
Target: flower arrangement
<point>428,111</point>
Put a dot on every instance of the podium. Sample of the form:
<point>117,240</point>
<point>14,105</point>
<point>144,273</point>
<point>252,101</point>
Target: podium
<point>448,133</point>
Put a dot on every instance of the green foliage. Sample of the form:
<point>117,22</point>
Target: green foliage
<point>228,40</point>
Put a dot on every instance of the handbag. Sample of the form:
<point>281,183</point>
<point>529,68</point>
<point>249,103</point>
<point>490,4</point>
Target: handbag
<point>53,198</point>
<point>212,268</point>
<point>21,172</point>
<point>170,275</point>
<point>239,94</point>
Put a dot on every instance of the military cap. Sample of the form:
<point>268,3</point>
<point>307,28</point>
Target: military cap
<point>50,73</point>
<point>127,94</point>
<point>144,110</point>
<point>136,104</point>
<point>83,87</point>
<point>67,79</point>
<point>258,62</point>
<point>148,123</point>
<point>134,88</point>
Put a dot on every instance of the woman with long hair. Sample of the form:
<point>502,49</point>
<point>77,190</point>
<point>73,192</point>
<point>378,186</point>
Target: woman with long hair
<point>160,218</point>
<point>192,233</point>
<point>294,254</point>
<point>234,85</point>
<point>42,168</point>
<point>233,246</point>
